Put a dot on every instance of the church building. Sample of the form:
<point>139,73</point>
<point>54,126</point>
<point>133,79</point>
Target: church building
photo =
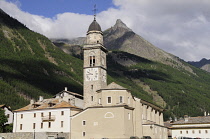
<point>104,111</point>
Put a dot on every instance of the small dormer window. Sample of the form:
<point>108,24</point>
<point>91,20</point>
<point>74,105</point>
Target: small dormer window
<point>35,105</point>
<point>51,104</point>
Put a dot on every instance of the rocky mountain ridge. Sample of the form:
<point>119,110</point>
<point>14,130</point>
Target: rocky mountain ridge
<point>120,37</point>
<point>203,64</point>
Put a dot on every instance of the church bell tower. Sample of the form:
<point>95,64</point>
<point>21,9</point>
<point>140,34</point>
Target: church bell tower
<point>94,68</point>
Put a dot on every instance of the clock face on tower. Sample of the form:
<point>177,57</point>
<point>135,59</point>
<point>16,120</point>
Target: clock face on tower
<point>91,74</point>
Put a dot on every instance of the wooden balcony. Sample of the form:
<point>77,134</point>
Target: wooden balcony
<point>48,118</point>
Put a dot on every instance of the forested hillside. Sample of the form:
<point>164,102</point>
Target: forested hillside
<point>179,91</point>
<point>30,65</point>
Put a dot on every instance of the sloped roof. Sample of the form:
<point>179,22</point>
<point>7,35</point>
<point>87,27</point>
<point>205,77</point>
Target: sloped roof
<point>114,86</point>
<point>151,105</point>
<point>71,93</point>
<point>94,26</point>
<point>2,105</point>
<point>40,105</point>
<point>194,120</point>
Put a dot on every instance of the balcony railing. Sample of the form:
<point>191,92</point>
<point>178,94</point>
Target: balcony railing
<point>48,118</point>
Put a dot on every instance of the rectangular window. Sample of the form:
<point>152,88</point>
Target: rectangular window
<point>92,61</point>
<point>49,124</point>
<point>49,115</point>
<point>83,134</point>
<point>128,100</point>
<point>109,100</point>
<point>91,98</point>
<point>61,123</point>
<point>21,116</point>
<point>121,99</point>
<point>34,115</point>
<point>62,112</point>
<point>206,131</point>
<point>180,132</point>
<point>42,114</point>
<point>129,116</point>
<point>83,122</point>
<point>41,125</point>
<point>7,115</point>
<point>34,125</point>
<point>21,126</point>
<point>99,101</point>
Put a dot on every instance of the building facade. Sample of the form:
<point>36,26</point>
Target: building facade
<point>48,115</point>
<point>191,127</point>
<point>110,111</point>
<point>106,111</point>
<point>8,112</point>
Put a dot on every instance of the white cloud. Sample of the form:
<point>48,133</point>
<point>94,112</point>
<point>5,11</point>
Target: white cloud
<point>180,27</point>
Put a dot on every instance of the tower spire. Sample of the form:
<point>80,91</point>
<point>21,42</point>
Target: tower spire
<point>94,10</point>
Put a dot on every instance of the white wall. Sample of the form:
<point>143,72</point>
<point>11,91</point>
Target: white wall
<point>10,118</point>
<point>28,120</point>
<point>204,132</point>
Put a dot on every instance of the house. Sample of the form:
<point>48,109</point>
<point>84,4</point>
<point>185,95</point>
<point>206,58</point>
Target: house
<point>48,115</point>
<point>104,111</point>
<point>8,113</point>
<point>191,127</point>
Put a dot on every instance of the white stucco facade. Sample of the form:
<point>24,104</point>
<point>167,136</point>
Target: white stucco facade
<point>47,120</point>
<point>192,127</point>
<point>48,115</point>
<point>8,112</point>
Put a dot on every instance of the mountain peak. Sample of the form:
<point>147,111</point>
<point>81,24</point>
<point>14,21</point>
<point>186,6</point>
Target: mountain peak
<point>120,24</point>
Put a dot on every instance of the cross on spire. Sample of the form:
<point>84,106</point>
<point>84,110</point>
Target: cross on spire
<point>94,10</point>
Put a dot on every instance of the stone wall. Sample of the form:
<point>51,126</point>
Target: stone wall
<point>36,135</point>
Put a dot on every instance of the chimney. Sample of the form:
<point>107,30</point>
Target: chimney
<point>186,118</point>
<point>32,101</point>
<point>205,113</point>
<point>66,89</point>
<point>41,98</point>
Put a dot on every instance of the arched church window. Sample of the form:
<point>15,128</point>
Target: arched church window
<point>109,115</point>
<point>92,59</point>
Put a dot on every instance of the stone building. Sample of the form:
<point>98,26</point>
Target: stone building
<point>110,111</point>
<point>106,111</point>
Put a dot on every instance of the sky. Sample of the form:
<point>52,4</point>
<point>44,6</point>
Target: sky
<point>180,27</point>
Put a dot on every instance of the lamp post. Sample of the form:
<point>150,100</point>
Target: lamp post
<point>34,134</point>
